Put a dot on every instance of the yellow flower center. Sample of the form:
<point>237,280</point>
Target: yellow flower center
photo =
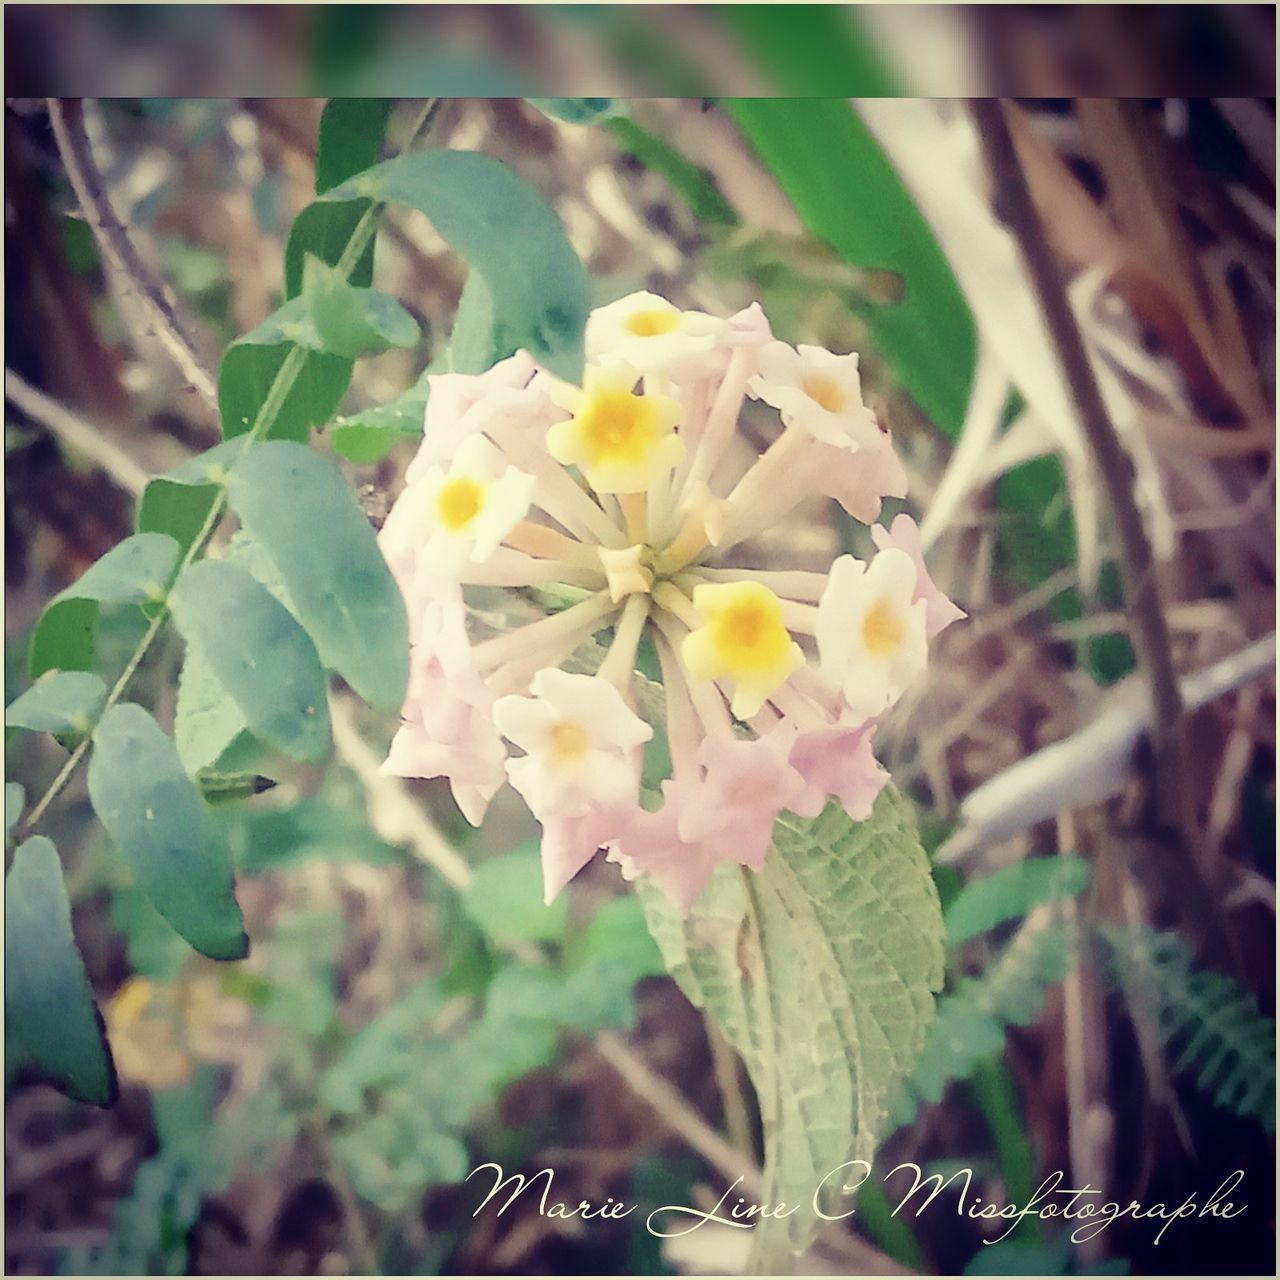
<point>623,442</point>
<point>882,629</point>
<point>826,392</point>
<point>569,742</point>
<point>652,323</point>
<point>743,639</point>
<point>459,502</point>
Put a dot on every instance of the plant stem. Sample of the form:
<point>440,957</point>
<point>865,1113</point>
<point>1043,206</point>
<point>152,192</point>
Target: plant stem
<point>281,385</point>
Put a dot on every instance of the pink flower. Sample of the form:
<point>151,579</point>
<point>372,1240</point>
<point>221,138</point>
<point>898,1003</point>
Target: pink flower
<point>747,784</point>
<point>904,533</point>
<point>837,762</point>
<point>857,481</point>
<point>447,719</point>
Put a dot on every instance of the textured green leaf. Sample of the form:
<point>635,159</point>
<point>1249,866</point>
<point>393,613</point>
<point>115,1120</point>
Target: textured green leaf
<point>136,571</point>
<point>972,1019</point>
<point>259,654</point>
<point>351,321</point>
<point>821,971</point>
<point>1212,1029</point>
<point>846,191</point>
<point>506,231</point>
<point>207,719</point>
<point>154,815</point>
<point>505,899</point>
<point>48,1004</point>
<point>298,508</point>
<point>1011,892</point>
<point>350,139</point>
<point>59,702</point>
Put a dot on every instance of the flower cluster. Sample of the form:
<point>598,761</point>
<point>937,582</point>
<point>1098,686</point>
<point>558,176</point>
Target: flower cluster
<point>622,509</point>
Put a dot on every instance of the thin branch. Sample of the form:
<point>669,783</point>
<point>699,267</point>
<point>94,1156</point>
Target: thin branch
<point>1169,773</point>
<point>76,433</point>
<point>67,118</point>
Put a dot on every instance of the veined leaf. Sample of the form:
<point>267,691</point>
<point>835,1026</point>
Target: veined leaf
<point>136,571</point>
<point>154,815</point>
<point>259,654</point>
<point>821,971</point>
<point>846,191</point>
<point>298,508</point>
<point>48,1004</point>
<point>1011,892</point>
<point>59,702</point>
<point>351,321</point>
<point>506,231</point>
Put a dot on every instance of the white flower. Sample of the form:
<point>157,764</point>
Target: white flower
<point>871,630</point>
<point>579,739</point>
<point>647,333</point>
<point>818,392</point>
<point>468,509</point>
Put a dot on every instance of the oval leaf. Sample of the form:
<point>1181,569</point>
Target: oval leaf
<point>1008,894</point>
<point>15,796</point>
<point>137,571</point>
<point>259,653</point>
<point>298,508</point>
<point>508,233</point>
<point>179,502</point>
<point>59,702</point>
<point>821,971</point>
<point>48,1003</point>
<point>155,817</point>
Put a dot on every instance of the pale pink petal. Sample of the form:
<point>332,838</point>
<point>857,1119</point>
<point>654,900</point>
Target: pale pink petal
<point>904,534</point>
<point>838,762</point>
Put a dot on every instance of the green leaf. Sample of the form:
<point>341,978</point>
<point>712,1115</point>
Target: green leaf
<point>364,444</point>
<point>846,191</point>
<point>259,654</point>
<point>251,363</point>
<point>218,787</point>
<point>505,899</point>
<point>49,1007</point>
<point>1008,894</point>
<point>350,139</point>
<point>472,342</point>
<point>578,110</point>
<point>207,719</point>
<point>298,508</point>
<point>177,509</point>
<point>1219,1035</point>
<point>821,971</point>
<point>696,185</point>
<point>59,702</point>
<point>972,1019</point>
<point>15,796</point>
<point>351,321</point>
<point>618,933</point>
<point>506,231</point>
<point>154,815</point>
<point>154,950</point>
<point>813,49</point>
<point>136,571</point>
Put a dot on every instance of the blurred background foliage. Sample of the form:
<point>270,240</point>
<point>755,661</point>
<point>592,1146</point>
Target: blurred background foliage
<point>315,1107</point>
